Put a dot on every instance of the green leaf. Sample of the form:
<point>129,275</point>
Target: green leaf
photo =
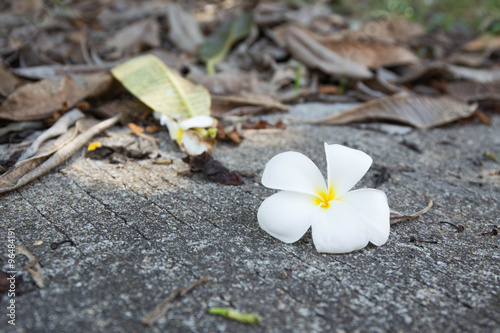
<point>162,88</point>
<point>215,47</point>
<point>247,318</point>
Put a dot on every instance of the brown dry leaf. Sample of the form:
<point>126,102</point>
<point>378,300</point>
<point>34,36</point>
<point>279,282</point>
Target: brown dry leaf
<point>10,179</point>
<point>228,83</point>
<point>471,59</point>
<point>60,127</point>
<point>36,101</point>
<point>371,52</point>
<point>391,31</point>
<point>419,111</point>
<point>245,104</point>
<point>62,149</point>
<point>135,38</point>
<point>136,129</point>
<point>9,82</point>
<point>451,72</point>
<point>474,91</point>
<point>34,267</point>
<point>312,53</point>
<point>484,42</point>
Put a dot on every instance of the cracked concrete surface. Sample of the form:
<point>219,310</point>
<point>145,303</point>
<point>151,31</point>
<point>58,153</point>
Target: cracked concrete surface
<point>142,231</point>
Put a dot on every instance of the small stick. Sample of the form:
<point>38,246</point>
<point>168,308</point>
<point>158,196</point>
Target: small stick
<point>398,217</point>
<point>160,310</point>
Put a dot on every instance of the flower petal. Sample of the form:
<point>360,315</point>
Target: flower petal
<point>372,204</point>
<point>346,166</point>
<point>174,130</point>
<point>292,171</point>
<point>197,121</point>
<point>194,144</point>
<point>287,215</point>
<point>339,229</point>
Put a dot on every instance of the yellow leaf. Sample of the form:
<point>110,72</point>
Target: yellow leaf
<point>162,88</point>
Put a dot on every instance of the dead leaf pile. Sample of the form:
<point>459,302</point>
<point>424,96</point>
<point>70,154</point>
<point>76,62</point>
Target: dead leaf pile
<point>228,60</point>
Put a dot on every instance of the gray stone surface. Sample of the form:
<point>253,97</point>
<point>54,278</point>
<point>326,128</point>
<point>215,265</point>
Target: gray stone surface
<point>142,231</point>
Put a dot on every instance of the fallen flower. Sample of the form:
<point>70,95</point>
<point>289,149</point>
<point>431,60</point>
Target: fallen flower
<point>341,220</point>
<point>194,135</point>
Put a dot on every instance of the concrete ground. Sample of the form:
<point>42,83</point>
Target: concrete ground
<point>142,231</point>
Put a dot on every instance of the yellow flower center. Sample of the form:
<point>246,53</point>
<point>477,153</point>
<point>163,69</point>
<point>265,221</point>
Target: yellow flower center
<point>324,198</point>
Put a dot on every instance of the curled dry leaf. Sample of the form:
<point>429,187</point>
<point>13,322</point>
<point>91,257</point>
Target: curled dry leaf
<point>11,178</point>
<point>312,53</point>
<point>34,267</point>
<point>184,30</point>
<point>59,128</point>
<point>21,126</point>
<point>419,111</point>
<point>396,217</point>
<point>26,172</point>
<point>54,72</point>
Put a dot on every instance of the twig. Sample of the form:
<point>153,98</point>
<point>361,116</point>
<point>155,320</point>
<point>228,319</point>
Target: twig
<point>160,310</point>
<point>398,217</point>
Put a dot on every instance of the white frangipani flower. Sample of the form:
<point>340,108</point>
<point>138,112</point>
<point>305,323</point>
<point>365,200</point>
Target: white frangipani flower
<point>341,220</point>
<point>190,141</point>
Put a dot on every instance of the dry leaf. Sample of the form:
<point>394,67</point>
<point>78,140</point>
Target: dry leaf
<point>388,30</point>
<point>372,53</point>
<point>9,82</point>
<point>474,91</point>
<point>184,30</point>
<point>36,101</point>
<point>419,111</point>
<point>53,72</point>
<point>11,178</point>
<point>229,83</point>
<point>59,128</point>
<point>135,38</point>
<point>137,130</point>
<point>253,103</point>
<point>314,55</point>
<point>484,42</point>
<point>471,59</point>
<point>21,126</point>
<point>24,172</point>
<point>34,267</point>
<point>162,88</point>
<point>452,72</point>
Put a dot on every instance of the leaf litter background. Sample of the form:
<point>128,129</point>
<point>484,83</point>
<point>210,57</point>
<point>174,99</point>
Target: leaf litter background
<point>254,57</point>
